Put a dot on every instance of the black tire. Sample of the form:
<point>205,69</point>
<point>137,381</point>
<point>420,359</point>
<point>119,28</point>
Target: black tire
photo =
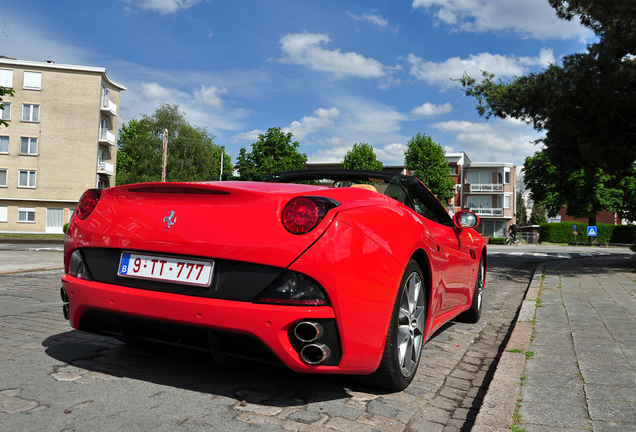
<point>472,315</point>
<point>405,337</point>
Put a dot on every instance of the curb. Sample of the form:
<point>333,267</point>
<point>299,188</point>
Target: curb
<point>500,401</point>
<point>31,270</point>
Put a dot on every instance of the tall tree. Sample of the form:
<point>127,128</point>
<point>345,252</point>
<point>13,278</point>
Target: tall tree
<point>427,161</point>
<point>361,156</point>
<point>192,153</point>
<point>586,104</point>
<point>273,152</point>
<point>4,92</point>
<point>521,214</point>
<point>585,191</point>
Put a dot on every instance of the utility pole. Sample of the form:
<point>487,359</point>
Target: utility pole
<point>165,155</point>
<point>222,152</point>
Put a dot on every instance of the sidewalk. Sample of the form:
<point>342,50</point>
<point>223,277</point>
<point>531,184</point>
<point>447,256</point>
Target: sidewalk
<point>19,261</point>
<point>571,360</point>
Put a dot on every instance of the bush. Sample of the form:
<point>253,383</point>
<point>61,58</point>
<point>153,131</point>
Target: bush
<point>607,233</point>
<point>64,228</point>
<point>496,240</point>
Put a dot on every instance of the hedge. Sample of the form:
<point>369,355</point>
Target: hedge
<point>607,233</point>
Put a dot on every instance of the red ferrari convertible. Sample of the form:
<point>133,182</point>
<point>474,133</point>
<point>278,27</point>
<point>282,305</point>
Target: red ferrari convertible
<point>337,271</point>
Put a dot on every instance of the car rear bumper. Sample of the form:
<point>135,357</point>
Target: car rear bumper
<point>115,310</point>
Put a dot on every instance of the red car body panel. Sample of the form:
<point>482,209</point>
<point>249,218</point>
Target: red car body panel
<point>357,253</point>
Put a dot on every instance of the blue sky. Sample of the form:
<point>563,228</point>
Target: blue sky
<point>333,73</point>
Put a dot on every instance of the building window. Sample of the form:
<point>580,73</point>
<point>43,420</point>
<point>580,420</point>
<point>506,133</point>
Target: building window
<point>5,114</point>
<point>33,80</point>
<point>3,178</point>
<point>29,146</point>
<point>506,203</point>
<point>4,144</point>
<point>506,175</point>
<point>454,170</point>
<point>26,179</point>
<point>4,214</point>
<point>30,113</point>
<point>6,78</point>
<point>493,228</point>
<point>26,214</point>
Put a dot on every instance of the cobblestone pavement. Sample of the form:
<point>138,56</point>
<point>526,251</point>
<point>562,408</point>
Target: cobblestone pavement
<point>54,378</point>
<point>583,372</point>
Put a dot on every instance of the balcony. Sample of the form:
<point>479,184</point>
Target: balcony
<point>486,187</point>
<point>106,137</point>
<point>108,106</point>
<point>104,167</point>
<point>488,211</point>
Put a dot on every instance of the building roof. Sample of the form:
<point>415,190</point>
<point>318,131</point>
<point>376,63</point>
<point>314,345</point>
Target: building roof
<point>49,64</point>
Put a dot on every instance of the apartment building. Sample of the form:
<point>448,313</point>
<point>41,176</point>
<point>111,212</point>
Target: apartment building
<point>487,189</point>
<point>61,140</point>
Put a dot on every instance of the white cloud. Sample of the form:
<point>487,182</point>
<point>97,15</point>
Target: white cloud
<point>375,19</point>
<point>528,18</point>
<point>502,66</point>
<point>307,49</point>
<point>248,136</point>
<point>164,6</point>
<point>391,154</point>
<point>209,96</point>
<point>428,109</point>
<point>506,140</point>
<point>323,119</point>
<point>154,91</point>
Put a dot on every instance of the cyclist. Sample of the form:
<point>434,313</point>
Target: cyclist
<point>512,235</point>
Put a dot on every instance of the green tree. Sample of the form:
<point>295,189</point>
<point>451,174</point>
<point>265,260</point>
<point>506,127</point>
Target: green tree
<point>586,104</point>
<point>585,192</point>
<point>427,161</point>
<point>521,210</point>
<point>361,156</point>
<point>4,92</point>
<point>538,214</point>
<point>273,152</point>
<point>192,153</point>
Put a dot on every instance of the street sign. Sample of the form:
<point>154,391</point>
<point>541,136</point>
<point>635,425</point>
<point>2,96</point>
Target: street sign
<point>591,231</point>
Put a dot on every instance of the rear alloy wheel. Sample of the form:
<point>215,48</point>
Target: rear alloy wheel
<point>472,315</point>
<point>405,337</point>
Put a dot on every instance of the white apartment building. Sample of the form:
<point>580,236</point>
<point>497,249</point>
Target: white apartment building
<point>61,140</point>
<point>487,189</point>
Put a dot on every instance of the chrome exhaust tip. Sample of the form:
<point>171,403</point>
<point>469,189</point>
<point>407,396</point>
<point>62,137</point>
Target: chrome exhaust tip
<point>314,354</point>
<point>63,295</point>
<point>307,331</point>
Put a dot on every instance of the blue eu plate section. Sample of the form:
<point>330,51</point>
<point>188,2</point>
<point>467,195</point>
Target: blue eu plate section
<point>123,266</point>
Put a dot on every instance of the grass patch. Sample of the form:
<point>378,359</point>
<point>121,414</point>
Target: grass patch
<point>33,236</point>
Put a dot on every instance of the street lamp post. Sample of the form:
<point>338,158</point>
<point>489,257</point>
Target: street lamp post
<point>222,152</point>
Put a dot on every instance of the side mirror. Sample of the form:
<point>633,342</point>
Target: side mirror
<point>465,219</point>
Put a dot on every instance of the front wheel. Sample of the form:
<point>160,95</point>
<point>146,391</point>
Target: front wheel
<point>405,337</point>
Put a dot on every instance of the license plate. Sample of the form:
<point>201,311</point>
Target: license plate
<point>166,269</point>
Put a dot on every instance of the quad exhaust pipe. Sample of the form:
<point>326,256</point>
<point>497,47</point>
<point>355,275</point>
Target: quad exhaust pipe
<point>65,301</point>
<point>314,354</point>
<point>309,332</point>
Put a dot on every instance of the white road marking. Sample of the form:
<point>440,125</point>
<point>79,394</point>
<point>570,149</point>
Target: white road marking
<point>585,254</point>
<point>540,254</point>
<point>563,255</point>
<point>515,254</point>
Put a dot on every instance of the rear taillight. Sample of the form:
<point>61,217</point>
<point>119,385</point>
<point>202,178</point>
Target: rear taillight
<point>88,202</point>
<point>302,214</point>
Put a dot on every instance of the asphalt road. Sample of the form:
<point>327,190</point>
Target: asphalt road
<point>53,378</point>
